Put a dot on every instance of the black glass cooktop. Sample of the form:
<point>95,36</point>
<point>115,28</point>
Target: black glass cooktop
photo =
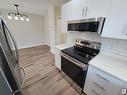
<point>82,54</point>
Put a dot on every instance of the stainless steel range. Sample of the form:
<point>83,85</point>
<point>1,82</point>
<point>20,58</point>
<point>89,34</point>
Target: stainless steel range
<point>74,61</point>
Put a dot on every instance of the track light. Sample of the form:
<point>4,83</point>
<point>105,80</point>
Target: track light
<point>17,15</point>
<point>22,18</point>
<point>9,16</point>
<point>27,19</point>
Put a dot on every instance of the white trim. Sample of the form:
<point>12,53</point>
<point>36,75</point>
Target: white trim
<point>52,51</point>
<point>23,47</point>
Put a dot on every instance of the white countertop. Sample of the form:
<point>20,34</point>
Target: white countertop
<point>63,46</point>
<point>113,64</point>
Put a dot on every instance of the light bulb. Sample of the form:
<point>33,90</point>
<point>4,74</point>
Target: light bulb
<point>16,18</point>
<point>27,19</point>
<point>21,18</point>
<point>9,17</point>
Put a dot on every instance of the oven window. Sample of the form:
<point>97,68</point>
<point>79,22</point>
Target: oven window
<point>73,71</point>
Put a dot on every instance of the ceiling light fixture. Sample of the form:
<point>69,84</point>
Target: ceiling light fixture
<point>27,19</point>
<point>9,16</point>
<point>22,18</point>
<point>17,15</point>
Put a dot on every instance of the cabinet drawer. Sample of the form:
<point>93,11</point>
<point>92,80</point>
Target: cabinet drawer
<point>97,82</point>
<point>101,83</point>
<point>101,79</point>
<point>94,92</point>
<point>97,89</point>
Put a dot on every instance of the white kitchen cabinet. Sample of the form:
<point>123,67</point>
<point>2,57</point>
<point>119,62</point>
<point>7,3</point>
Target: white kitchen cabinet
<point>66,15</point>
<point>66,11</point>
<point>116,22</point>
<point>57,51</point>
<point>58,58</point>
<point>76,9</point>
<point>98,8</point>
<point>100,83</point>
<point>71,11</point>
<point>81,9</point>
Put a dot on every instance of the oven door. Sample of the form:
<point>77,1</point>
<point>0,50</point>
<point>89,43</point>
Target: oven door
<point>74,69</point>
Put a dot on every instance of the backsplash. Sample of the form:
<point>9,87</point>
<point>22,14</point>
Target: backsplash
<point>116,46</point>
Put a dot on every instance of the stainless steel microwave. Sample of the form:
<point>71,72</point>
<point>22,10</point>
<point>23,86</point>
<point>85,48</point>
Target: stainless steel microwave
<point>92,25</point>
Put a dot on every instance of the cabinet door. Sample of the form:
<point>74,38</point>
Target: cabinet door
<point>96,82</point>
<point>101,83</point>
<point>116,22</point>
<point>73,10</point>
<point>66,15</point>
<point>98,8</point>
<point>66,11</point>
<point>57,58</point>
<point>77,9</point>
<point>115,87</point>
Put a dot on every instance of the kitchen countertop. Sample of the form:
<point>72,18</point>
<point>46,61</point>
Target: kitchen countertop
<point>63,46</point>
<point>113,64</point>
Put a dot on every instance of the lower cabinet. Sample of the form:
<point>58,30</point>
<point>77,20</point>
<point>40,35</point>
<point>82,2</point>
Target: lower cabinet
<point>58,58</point>
<point>102,83</point>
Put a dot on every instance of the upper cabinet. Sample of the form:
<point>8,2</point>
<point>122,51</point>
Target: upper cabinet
<point>76,9</point>
<point>73,10</point>
<point>81,9</point>
<point>116,22</point>
<point>113,10</point>
<point>66,9</point>
<point>98,8</point>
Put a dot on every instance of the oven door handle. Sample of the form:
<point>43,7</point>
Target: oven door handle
<point>76,62</point>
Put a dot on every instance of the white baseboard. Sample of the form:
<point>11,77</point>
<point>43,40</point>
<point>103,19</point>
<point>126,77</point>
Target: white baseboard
<point>30,46</point>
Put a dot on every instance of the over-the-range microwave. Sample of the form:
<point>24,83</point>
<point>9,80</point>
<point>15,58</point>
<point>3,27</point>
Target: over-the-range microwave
<point>90,25</point>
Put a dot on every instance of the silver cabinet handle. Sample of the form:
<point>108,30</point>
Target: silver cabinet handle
<point>103,78</point>
<point>99,86</point>
<point>83,12</point>
<point>86,11</point>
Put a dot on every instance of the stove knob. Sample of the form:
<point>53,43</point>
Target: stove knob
<point>124,91</point>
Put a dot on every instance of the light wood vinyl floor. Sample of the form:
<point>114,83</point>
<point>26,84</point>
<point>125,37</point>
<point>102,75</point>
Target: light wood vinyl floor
<point>42,77</point>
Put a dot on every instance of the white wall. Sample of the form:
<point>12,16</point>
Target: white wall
<point>51,27</point>
<point>47,32</point>
<point>116,46</point>
<point>27,34</point>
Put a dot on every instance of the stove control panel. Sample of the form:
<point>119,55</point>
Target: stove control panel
<point>87,43</point>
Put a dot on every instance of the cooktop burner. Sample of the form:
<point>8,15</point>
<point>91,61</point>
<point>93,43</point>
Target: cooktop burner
<point>83,57</point>
<point>82,51</point>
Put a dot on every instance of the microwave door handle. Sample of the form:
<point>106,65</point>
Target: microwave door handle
<point>14,41</point>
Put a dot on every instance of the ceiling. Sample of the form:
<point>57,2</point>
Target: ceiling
<point>32,6</point>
